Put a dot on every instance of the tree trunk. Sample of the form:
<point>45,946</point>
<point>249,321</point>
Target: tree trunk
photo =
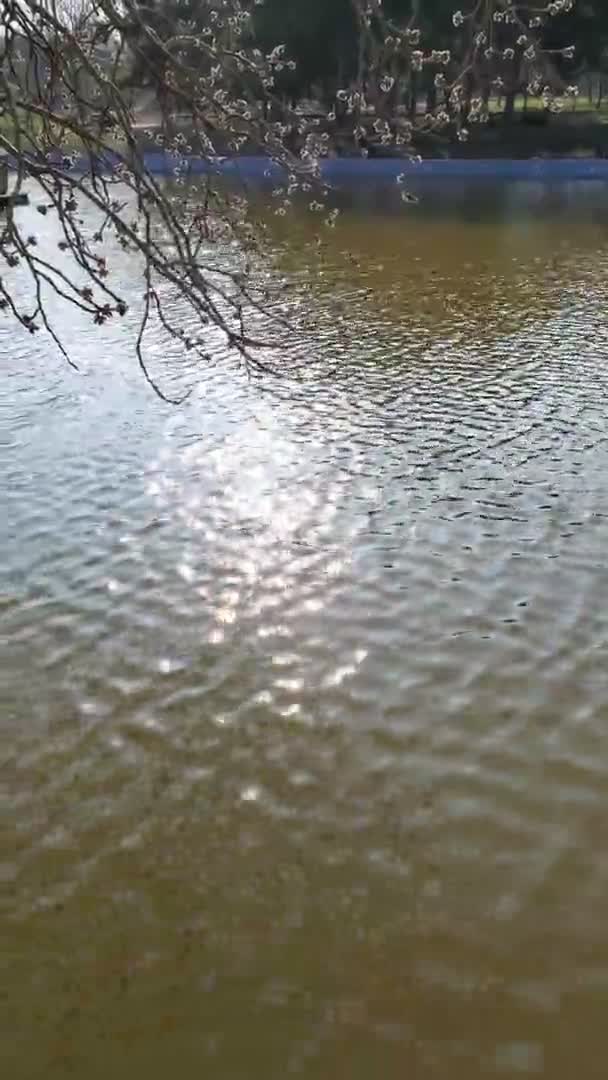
<point>509,110</point>
<point>511,94</point>
<point>413,101</point>
<point>431,98</point>
<point>469,86</point>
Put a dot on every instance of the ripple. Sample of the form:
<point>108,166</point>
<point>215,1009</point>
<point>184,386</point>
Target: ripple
<point>304,684</point>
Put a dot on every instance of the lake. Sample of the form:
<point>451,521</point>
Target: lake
<point>304,683</point>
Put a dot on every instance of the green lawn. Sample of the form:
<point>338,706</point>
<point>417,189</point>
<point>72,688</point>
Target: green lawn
<point>571,106</point>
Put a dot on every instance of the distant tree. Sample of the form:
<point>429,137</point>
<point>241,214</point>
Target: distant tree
<point>585,26</point>
<point>319,35</point>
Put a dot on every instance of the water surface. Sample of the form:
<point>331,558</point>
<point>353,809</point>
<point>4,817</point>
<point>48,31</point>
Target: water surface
<point>305,683</point>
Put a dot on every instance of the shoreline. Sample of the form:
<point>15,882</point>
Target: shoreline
<point>349,169</point>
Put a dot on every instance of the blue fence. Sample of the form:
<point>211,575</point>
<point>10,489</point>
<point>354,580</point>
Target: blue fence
<point>356,169</point>
<point>347,170</point>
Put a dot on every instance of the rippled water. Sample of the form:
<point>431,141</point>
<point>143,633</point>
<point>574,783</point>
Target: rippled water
<point>305,684</point>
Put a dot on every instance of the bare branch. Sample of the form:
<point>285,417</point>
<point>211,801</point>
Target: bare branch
<point>72,77</point>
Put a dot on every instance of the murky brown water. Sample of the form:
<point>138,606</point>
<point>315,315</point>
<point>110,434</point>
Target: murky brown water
<point>304,736</point>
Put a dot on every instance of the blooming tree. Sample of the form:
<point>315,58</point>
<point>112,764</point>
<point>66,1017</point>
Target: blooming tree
<point>70,75</point>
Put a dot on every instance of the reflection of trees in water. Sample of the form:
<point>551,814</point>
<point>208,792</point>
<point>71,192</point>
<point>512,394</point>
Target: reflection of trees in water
<point>475,201</point>
<point>437,275</point>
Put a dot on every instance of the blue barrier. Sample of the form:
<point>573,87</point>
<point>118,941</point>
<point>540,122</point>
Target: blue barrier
<point>345,170</point>
<point>377,170</point>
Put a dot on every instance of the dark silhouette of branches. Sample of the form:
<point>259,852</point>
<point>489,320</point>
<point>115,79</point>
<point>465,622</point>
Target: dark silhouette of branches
<point>71,72</point>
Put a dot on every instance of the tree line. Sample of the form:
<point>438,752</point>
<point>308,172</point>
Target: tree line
<point>329,44</point>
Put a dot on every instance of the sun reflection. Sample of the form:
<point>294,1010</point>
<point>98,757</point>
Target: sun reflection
<point>260,504</point>
<point>250,794</point>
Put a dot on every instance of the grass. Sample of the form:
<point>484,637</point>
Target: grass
<point>571,106</point>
